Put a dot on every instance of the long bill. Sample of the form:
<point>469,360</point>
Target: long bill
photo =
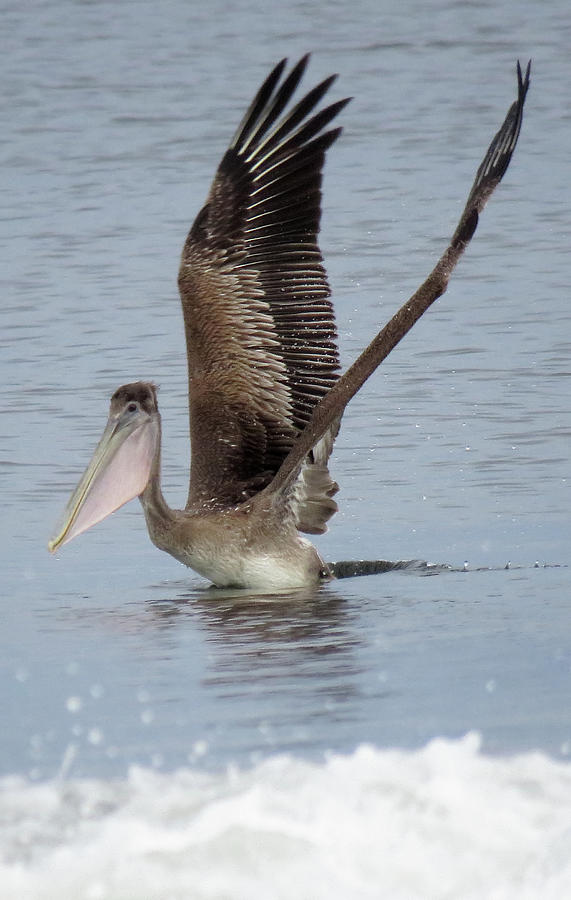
<point>119,471</point>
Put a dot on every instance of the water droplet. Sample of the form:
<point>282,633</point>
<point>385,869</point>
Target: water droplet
<point>147,716</point>
<point>73,704</point>
<point>95,736</point>
<point>199,748</point>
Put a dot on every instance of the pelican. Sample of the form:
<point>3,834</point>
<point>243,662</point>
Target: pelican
<point>265,392</point>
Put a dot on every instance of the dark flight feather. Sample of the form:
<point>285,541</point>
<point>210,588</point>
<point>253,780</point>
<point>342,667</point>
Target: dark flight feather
<point>260,327</point>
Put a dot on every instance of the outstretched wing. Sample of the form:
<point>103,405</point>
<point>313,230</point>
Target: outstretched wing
<point>260,330</point>
<point>493,167</point>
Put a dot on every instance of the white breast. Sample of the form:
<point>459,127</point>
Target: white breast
<point>257,570</point>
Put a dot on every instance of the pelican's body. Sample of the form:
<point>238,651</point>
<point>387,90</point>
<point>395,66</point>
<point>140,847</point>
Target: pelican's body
<point>265,394</point>
<point>234,548</point>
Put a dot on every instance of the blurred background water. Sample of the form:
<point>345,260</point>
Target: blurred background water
<point>115,117</point>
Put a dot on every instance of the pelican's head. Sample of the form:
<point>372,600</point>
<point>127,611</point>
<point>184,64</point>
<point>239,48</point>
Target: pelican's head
<point>121,465</point>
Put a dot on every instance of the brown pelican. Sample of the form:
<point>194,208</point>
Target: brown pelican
<point>265,393</point>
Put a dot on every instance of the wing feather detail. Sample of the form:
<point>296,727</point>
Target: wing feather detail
<point>259,324</point>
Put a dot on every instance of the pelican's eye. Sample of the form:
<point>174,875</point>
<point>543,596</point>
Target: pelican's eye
<point>132,407</point>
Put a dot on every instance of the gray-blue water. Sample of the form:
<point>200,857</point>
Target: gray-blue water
<point>114,118</point>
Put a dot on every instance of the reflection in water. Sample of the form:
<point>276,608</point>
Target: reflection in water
<point>292,629</point>
<point>278,670</point>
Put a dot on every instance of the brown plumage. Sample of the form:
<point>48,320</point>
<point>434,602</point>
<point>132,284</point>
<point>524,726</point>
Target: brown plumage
<point>259,324</point>
<point>265,395</point>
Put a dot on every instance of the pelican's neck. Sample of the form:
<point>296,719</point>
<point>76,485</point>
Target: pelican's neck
<point>158,514</point>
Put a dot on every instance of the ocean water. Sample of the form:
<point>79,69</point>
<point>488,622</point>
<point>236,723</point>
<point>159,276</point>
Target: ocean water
<point>395,736</point>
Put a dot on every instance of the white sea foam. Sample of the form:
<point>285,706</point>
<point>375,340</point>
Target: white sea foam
<point>441,822</point>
